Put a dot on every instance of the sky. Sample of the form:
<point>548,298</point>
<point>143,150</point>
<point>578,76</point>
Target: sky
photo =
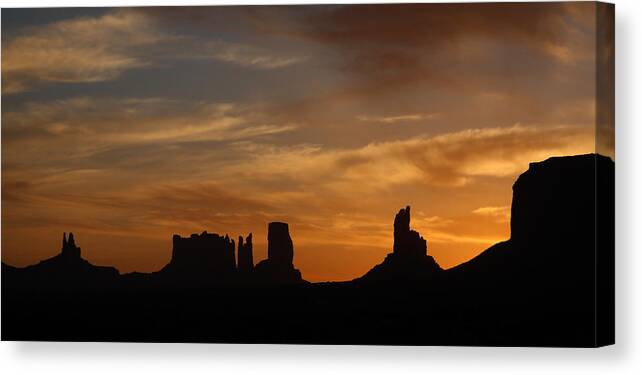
<point>127,125</point>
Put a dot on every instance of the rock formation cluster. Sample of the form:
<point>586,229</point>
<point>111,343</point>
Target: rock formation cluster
<point>211,258</point>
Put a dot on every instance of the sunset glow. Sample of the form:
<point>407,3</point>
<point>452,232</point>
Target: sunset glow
<point>128,125</point>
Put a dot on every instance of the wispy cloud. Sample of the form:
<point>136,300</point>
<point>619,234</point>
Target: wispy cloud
<point>451,159</point>
<point>78,50</point>
<point>501,213</point>
<point>110,122</point>
<point>401,50</point>
<point>247,56</point>
<point>93,49</point>
<point>398,118</point>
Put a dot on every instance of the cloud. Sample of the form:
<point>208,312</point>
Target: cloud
<point>247,56</point>
<point>450,159</point>
<point>94,49</point>
<point>91,49</point>
<point>384,47</point>
<point>398,118</point>
<point>78,50</point>
<point>303,175</point>
<point>126,142</point>
<point>111,121</point>
<point>147,210</point>
<point>455,158</point>
<point>501,213</point>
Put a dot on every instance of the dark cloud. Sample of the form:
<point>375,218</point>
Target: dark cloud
<point>395,44</point>
<point>392,44</point>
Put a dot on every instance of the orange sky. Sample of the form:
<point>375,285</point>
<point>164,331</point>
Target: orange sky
<point>128,125</point>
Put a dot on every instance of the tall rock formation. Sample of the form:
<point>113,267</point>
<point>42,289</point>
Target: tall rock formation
<point>407,242</point>
<point>278,267</point>
<point>246,259</point>
<point>408,261</point>
<point>280,247</point>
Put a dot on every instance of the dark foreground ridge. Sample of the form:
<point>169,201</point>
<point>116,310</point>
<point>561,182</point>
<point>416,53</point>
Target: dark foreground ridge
<point>550,284</point>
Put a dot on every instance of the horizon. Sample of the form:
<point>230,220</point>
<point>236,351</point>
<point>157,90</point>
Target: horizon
<point>227,118</point>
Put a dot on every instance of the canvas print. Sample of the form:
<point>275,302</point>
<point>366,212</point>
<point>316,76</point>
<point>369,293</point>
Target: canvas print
<point>394,174</point>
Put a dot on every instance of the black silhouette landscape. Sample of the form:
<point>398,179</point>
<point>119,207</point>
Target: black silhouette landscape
<point>550,284</point>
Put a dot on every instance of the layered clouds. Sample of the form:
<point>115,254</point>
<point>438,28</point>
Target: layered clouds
<point>132,124</point>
